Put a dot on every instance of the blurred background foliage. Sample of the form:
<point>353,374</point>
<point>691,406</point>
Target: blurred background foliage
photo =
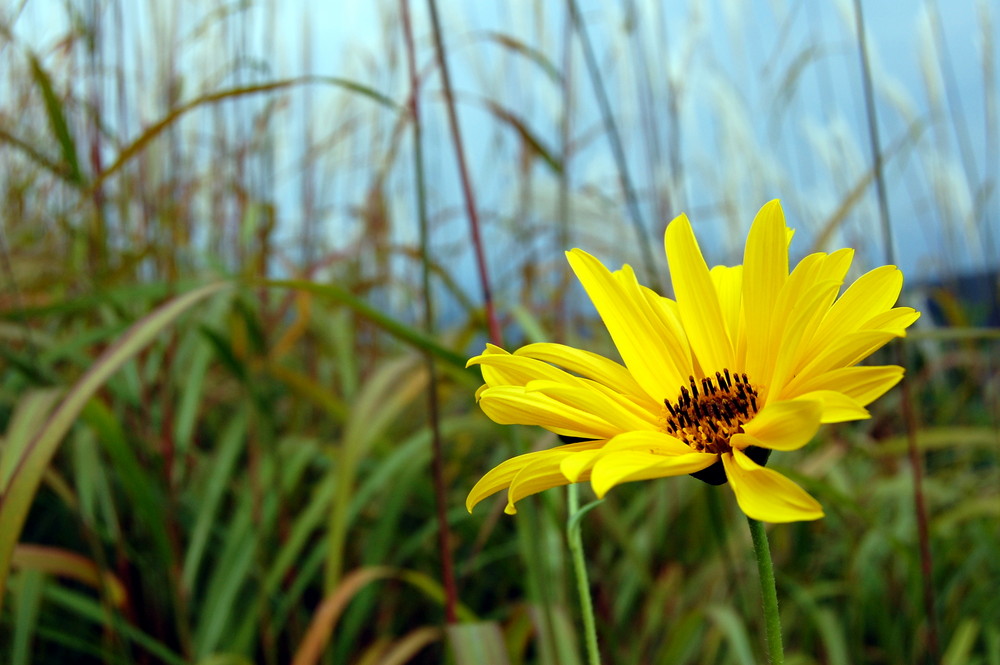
<point>242,472</point>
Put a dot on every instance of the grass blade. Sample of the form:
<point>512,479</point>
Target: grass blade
<point>28,468</point>
<point>63,563</point>
<point>329,611</point>
<point>387,323</point>
<point>157,128</point>
<point>28,600</point>
<point>58,121</point>
<point>477,644</point>
<point>86,607</point>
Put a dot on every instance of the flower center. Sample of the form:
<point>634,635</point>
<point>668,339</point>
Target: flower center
<point>707,417</point>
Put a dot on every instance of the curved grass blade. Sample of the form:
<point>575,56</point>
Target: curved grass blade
<point>409,645</point>
<point>390,325</point>
<point>154,130</point>
<point>53,108</point>
<point>27,469</point>
<point>63,563</point>
<point>28,416</point>
<point>479,643</point>
<point>328,613</point>
<point>732,626</point>
<point>530,138</point>
<point>521,48</point>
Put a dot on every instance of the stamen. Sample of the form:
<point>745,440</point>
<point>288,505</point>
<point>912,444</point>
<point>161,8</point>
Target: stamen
<point>707,419</point>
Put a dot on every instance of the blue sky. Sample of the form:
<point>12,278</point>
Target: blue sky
<point>769,104</point>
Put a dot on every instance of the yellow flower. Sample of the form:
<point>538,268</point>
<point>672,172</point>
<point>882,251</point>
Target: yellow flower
<point>745,360</point>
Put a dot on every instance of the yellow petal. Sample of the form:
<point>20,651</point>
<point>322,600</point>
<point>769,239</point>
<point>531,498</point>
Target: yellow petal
<point>785,425</point>
<point>844,352</point>
<point>501,475</point>
<point>642,342</point>
<point>766,495</point>
<point>576,465</point>
<point>873,293</point>
<point>664,312</point>
<point>540,475</point>
<point>896,320</point>
<point>513,405</point>
<point>728,282</point>
<point>602,405</point>
<point>653,442</point>
<point>854,347</point>
<point>587,364</point>
<point>862,384</point>
<point>831,271</point>
<point>697,299</point>
<point>642,408</point>
<point>627,465</point>
<point>517,370</point>
<point>765,269</point>
<point>492,376</point>
<point>836,265</point>
<point>656,443</point>
<point>837,407</point>
<point>799,307</point>
<point>490,350</point>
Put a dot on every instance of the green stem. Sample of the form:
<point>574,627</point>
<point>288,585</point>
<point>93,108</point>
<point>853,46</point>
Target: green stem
<point>580,569</point>
<point>768,592</point>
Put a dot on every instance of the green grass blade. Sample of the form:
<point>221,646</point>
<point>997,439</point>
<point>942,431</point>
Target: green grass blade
<point>477,643</point>
<point>27,602</point>
<point>231,445</point>
<point>735,631</point>
<point>380,402</point>
<point>69,565</point>
<point>145,498</point>
<point>33,460</point>
<point>30,414</point>
<point>390,325</point>
<point>960,648</point>
<point>232,569</point>
<point>88,608</point>
<point>57,119</point>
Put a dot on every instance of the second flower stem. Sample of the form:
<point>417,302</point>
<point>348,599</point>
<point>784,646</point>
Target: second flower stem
<point>768,592</point>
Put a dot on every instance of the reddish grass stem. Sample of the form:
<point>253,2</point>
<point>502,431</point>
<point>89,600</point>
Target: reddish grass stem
<point>441,501</point>
<point>470,201</point>
<point>909,415</point>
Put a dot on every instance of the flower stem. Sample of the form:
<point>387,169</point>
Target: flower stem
<point>580,569</point>
<point>768,592</point>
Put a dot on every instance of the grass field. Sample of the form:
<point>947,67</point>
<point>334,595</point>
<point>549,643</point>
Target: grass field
<point>239,288</point>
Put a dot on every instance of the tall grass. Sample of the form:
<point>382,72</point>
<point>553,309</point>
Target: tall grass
<point>221,322</point>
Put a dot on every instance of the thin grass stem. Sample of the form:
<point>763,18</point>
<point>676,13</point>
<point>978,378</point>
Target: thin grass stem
<point>470,200</point>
